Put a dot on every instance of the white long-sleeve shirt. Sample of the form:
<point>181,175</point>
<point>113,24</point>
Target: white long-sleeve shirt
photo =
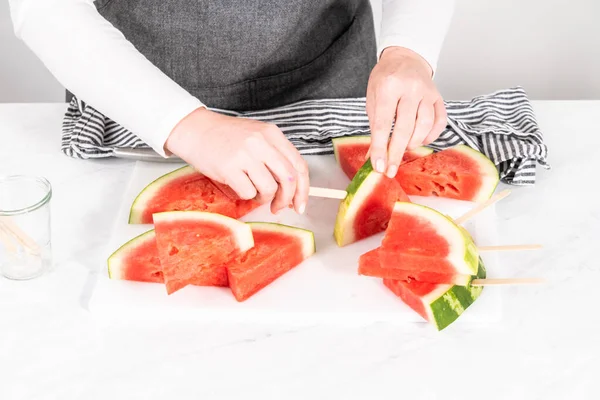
<point>75,42</point>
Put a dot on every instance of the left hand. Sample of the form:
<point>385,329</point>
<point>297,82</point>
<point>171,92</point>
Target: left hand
<point>401,89</point>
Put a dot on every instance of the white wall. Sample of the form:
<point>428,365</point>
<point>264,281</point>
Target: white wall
<point>551,47</point>
<point>23,77</point>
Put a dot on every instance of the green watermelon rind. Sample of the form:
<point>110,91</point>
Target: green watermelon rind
<point>140,202</point>
<point>466,257</point>
<point>242,232</point>
<point>363,182</point>
<point>115,261</point>
<point>307,237</point>
<point>445,308</point>
<point>487,171</point>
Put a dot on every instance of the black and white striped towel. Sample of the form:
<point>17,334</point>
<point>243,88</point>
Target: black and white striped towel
<point>502,125</point>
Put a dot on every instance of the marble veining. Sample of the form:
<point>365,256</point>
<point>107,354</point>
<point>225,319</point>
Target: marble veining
<point>545,347</point>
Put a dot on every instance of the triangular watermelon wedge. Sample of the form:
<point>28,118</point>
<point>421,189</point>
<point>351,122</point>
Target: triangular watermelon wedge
<point>185,189</point>
<point>277,249</point>
<point>368,205</point>
<point>351,153</point>
<point>420,239</point>
<point>194,247</point>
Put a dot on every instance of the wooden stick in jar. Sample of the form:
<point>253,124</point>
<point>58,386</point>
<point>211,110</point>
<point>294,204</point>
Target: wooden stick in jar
<point>7,240</point>
<point>7,224</point>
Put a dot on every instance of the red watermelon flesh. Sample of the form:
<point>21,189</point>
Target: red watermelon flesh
<point>374,214</point>
<point>137,260</point>
<point>420,239</point>
<point>277,249</point>
<point>369,264</point>
<point>186,190</point>
<point>458,173</point>
<point>194,247</point>
<point>351,153</point>
<point>368,205</point>
<point>411,294</point>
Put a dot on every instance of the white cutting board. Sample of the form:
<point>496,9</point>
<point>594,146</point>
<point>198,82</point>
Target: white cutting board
<point>326,288</point>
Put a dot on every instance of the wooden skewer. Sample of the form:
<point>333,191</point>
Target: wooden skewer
<point>12,229</point>
<point>511,247</point>
<point>506,281</point>
<point>482,206</point>
<point>328,193</point>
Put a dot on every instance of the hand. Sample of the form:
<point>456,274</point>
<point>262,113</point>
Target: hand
<point>254,158</point>
<point>401,88</point>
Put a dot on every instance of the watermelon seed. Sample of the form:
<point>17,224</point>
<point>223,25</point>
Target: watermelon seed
<point>453,176</point>
<point>452,187</point>
<point>173,250</point>
<point>439,187</point>
<point>435,193</point>
<point>418,188</point>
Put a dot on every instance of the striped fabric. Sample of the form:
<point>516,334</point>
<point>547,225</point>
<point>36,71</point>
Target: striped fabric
<point>502,125</point>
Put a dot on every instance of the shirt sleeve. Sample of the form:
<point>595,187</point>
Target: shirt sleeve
<point>419,25</point>
<point>94,60</point>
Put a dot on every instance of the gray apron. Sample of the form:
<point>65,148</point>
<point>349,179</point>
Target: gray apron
<point>253,54</point>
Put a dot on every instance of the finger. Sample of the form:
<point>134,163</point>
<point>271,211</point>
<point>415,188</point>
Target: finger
<point>241,184</point>
<point>403,129</point>
<point>281,143</point>
<point>383,109</point>
<point>282,171</point>
<point>263,181</point>
<point>423,125</point>
<point>440,122</point>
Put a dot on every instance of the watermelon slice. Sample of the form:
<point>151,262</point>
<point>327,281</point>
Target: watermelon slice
<point>368,205</point>
<point>459,172</point>
<point>421,239</point>
<point>351,153</point>
<point>277,249</point>
<point>185,189</point>
<point>137,260</point>
<point>369,265</point>
<point>438,304</point>
<point>195,246</point>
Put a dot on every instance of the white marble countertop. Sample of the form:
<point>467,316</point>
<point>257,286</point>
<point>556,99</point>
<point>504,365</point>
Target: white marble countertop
<point>547,345</point>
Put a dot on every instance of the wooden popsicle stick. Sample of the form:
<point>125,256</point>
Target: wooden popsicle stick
<point>482,206</point>
<point>506,281</point>
<point>12,229</point>
<point>511,247</point>
<point>328,193</point>
<point>7,240</point>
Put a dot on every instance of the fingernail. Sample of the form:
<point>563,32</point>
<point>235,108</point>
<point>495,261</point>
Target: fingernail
<point>380,166</point>
<point>301,208</point>
<point>391,172</point>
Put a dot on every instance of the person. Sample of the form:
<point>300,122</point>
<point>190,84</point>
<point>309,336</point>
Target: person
<point>156,67</point>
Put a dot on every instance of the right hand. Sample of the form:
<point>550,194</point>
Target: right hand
<point>254,158</point>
